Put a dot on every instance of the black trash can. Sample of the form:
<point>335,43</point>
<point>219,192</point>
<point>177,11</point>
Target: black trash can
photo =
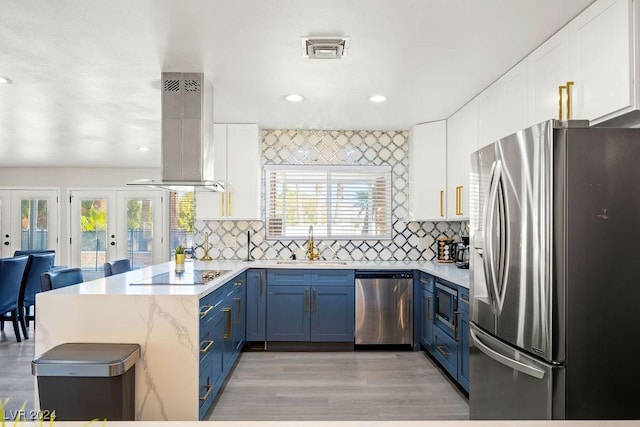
<point>85,381</point>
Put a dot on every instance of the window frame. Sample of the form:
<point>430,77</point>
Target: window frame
<point>385,170</point>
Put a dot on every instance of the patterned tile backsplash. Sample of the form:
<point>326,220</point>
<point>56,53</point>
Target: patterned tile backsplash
<point>410,240</point>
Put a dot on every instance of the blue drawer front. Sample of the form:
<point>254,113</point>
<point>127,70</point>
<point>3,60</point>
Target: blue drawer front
<point>288,277</point>
<point>333,277</point>
<point>426,281</point>
<point>445,351</point>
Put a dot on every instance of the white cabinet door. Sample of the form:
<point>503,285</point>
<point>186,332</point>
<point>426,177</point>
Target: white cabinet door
<point>243,172</point>
<point>428,171</point>
<point>237,164</point>
<point>516,99</point>
<point>601,43</point>
<point>503,106</point>
<point>491,114</point>
<point>462,140</point>
<point>548,69</point>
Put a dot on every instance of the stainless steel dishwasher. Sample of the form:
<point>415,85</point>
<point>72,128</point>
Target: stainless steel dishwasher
<point>384,307</point>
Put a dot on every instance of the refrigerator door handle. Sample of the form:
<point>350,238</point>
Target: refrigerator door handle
<point>500,358</point>
<point>488,259</point>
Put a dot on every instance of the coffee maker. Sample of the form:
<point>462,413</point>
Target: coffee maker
<point>461,253</point>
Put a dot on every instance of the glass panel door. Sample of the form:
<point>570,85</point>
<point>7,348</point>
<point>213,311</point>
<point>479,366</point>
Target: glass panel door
<point>107,225</point>
<point>5,227</point>
<point>140,214</point>
<point>93,238</point>
<point>28,220</point>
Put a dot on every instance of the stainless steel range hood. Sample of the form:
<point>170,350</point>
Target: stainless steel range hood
<point>187,134</point>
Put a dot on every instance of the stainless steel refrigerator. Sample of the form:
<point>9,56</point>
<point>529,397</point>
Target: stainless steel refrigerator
<point>555,283</point>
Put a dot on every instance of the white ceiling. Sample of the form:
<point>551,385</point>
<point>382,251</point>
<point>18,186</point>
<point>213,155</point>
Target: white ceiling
<point>86,73</point>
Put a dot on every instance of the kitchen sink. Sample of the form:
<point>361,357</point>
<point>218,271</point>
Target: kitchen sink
<point>310,263</point>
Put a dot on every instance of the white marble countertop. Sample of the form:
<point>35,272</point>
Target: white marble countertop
<point>125,284</point>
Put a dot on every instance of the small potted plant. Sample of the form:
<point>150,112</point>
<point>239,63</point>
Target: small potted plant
<point>179,251</point>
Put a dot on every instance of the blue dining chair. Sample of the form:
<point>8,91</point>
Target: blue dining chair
<point>11,272</point>
<point>38,263</point>
<point>60,278</point>
<point>116,267</point>
<point>33,251</point>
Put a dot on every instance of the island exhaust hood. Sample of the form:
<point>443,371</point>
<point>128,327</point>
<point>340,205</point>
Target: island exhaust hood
<point>187,135</point>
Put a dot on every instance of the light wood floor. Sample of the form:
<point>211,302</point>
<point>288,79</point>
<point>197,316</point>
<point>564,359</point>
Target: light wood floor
<point>361,385</point>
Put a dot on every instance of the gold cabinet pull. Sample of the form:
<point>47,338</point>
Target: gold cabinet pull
<point>207,309</point>
<point>229,205</point>
<point>227,310</point>
<point>442,350</point>
<point>260,282</point>
<point>209,388</point>
<point>459,200</point>
<point>314,300</point>
<point>208,346</point>
<point>464,300</point>
<point>455,325</point>
<point>568,87</point>
<point>442,203</point>
<point>429,315</point>
<point>222,196</point>
<point>426,282</point>
<point>239,316</point>
<point>238,283</point>
<point>560,89</point>
<point>306,300</point>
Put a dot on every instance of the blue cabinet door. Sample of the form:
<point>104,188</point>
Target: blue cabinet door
<point>239,300</point>
<point>463,344</point>
<point>288,312</point>
<point>256,305</point>
<point>463,366</point>
<point>427,309</point>
<point>332,313</point>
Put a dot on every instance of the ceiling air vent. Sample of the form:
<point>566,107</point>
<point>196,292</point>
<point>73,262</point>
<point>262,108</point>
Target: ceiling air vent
<point>325,47</point>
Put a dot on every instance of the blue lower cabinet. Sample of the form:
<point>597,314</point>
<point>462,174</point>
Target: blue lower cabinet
<point>310,305</point>
<point>445,351</point>
<point>222,334</point>
<point>427,309</point>
<point>205,390</point>
<point>288,308</point>
<point>256,306</point>
<point>463,359</point>
<point>332,313</point>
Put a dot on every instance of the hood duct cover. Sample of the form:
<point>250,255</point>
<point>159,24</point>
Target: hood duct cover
<point>187,134</point>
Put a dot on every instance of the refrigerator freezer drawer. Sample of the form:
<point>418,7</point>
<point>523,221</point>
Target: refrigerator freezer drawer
<point>509,384</point>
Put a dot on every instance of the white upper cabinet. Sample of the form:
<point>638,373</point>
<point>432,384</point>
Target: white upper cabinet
<point>503,106</point>
<point>601,61</point>
<point>548,69</point>
<point>428,171</point>
<point>462,140</point>
<point>237,164</point>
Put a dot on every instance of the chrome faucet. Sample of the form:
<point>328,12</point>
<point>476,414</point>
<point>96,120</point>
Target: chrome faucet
<point>313,253</point>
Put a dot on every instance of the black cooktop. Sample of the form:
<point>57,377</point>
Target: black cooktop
<point>187,277</point>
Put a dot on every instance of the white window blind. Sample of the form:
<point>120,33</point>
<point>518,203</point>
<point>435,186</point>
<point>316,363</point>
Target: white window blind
<point>341,202</point>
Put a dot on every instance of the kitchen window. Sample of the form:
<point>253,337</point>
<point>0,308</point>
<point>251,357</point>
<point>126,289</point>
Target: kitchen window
<point>340,202</point>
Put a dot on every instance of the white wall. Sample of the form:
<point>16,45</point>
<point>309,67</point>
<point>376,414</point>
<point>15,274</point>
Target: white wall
<point>64,179</point>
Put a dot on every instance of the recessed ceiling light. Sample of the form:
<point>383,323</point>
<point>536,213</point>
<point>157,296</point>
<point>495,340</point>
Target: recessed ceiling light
<point>294,98</point>
<point>143,148</point>
<point>377,98</point>
<point>5,80</point>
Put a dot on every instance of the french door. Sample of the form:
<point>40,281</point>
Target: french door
<point>28,220</point>
<point>113,224</point>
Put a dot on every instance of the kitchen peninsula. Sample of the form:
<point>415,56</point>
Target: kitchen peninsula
<point>166,320</point>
